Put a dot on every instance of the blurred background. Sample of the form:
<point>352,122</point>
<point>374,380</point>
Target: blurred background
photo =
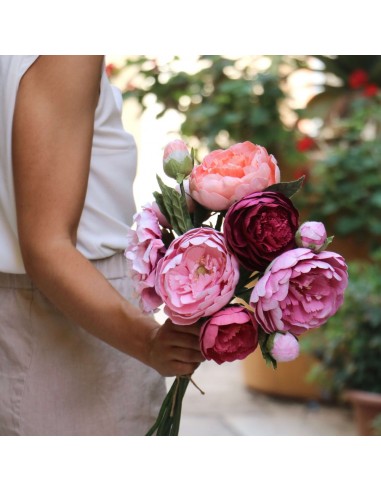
<point>320,116</point>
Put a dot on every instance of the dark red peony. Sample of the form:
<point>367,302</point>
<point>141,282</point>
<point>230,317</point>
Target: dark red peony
<point>260,227</point>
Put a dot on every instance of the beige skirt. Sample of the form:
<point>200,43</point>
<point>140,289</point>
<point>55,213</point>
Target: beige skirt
<point>57,379</point>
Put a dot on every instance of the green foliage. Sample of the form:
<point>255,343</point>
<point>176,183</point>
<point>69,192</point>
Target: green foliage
<point>174,207</point>
<point>344,65</point>
<point>348,347</point>
<point>346,189</point>
<point>225,101</point>
<point>263,344</point>
<point>335,89</point>
<point>287,188</point>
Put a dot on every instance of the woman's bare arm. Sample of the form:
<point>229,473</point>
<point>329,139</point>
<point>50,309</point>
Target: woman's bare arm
<point>52,138</point>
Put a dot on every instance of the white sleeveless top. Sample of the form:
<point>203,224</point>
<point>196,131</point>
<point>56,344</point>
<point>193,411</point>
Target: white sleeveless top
<point>109,204</point>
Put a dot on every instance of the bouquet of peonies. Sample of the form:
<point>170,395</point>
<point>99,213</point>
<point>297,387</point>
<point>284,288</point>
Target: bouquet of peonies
<point>224,246</point>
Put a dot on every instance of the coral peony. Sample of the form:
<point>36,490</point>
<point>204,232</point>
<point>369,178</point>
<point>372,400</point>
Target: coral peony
<point>300,290</point>
<point>197,276</point>
<point>225,176</point>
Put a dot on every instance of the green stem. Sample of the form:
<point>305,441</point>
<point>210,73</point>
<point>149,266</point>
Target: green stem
<point>182,189</point>
<point>163,410</point>
<point>168,420</point>
<point>183,384</point>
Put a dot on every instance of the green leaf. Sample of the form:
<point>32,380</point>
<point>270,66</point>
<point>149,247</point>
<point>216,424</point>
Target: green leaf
<point>287,188</point>
<point>181,212</point>
<point>160,203</point>
<point>176,207</point>
<point>328,241</point>
<point>263,339</point>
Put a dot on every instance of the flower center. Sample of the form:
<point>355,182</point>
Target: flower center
<point>201,270</point>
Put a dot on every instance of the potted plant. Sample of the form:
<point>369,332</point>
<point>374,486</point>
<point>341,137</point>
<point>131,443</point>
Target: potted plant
<point>348,348</point>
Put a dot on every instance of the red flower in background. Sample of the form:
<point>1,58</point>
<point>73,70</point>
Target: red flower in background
<point>305,144</point>
<point>370,90</point>
<point>357,79</point>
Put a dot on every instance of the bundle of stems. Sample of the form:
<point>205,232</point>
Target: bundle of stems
<point>168,420</point>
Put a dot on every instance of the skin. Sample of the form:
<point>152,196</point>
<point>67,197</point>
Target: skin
<point>52,138</point>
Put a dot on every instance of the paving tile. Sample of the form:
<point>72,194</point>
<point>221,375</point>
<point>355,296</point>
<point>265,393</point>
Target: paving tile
<point>229,408</point>
<point>205,426</point>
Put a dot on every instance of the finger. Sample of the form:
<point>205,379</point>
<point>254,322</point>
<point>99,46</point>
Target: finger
<point>187,355</point>
<point>181,369</point>
<point>185,340</point>
<point>193,329</point>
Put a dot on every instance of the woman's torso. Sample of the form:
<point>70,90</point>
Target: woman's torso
<point>109,204</point>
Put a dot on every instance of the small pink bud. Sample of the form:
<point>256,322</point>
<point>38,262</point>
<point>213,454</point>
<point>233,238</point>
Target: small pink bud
<point>312,235</point>
<point>284,347</point>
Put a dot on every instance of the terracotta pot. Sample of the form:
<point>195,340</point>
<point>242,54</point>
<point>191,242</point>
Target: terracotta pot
<point>288,380</point>
<point>366,407</point>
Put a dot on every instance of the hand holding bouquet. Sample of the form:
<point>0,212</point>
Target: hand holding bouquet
<point>224,246</point>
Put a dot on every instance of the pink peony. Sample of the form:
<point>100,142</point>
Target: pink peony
<point>230,334</point>
<point>225,176</point>
<point>284,347</point>
<point>311,235</point>
<point>300,290</point>
<point>260,227</point>
<point>176,159</point>
<point>143,251</point>
<point>197,276</point>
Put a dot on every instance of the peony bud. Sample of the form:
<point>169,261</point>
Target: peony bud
<point>312,235</point>
<point>177,161</point>
<point>283,347</point>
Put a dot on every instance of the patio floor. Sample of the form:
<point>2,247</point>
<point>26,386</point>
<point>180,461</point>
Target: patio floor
<point>229,408</point>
